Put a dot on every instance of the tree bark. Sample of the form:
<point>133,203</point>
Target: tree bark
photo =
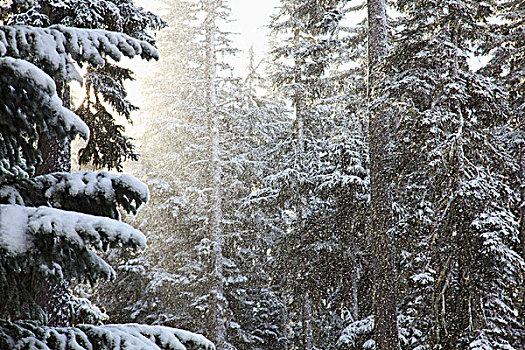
<point>522,218</point>
<point>56,154</point>
<point>56,157</point>
<point>385,287</point>
<point>285,323</point>
<point>354,306</point>
<point>307,323</point>
<point>522,198</point>
<point>217,291</point>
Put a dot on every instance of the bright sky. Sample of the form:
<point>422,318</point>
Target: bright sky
<point>251,18</point>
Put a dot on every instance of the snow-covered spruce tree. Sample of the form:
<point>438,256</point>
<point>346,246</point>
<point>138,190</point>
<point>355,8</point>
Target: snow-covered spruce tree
<point>454,225</point>
<point>175,218</point>
<point>508,66</point>
<point>259,124</point>
<point>305,199</point>
<point>52,226</point>
<point>179,278</point>
<point>107,147</point>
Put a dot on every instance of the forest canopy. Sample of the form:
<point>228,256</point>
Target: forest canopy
<point>360,185</point>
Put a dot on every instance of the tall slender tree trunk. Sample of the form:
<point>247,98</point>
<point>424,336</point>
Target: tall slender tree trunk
<point>307,322</point>
<point>217,289</point>
<point>299,156</point>
<point>522,198</point>
<point>299,108</point>
<point>56,157</point>
<point>385,287</point>
<point>286,319</point>
<point>56,154</point>
<point>353,273</point>
<point>522,219</point>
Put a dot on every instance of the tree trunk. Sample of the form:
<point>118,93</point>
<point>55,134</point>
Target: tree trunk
<point>522,219</point>
<point>217,291</point>
<point>354,306</point>
<point>299,115</point>
<point>522,198</point>
<point>299,156</point>
<point>285,323</point>
<point>300,143</point>
<point>307,323</point>
<point>56,157</point>
<point>56,154</point>
<point>385,287</point>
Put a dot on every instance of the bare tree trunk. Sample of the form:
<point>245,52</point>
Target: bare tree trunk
<point>299,156</point>
<point>299,115</point>
<point>217,290</point>
<point>522,218</point>
<point>299,109</point>
<point>522,199</point>
<point>385,287</point>
<point>354,274</point>
<point>56,154</point>
<point>285,323</point>
<point>307,322</point>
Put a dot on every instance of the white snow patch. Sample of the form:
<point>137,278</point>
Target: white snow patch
<point>13,226</point>
<point>137,336</point>
<point>136,185</point>
<point>77,228</point>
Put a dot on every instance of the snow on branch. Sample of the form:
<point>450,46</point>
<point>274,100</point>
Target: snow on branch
<point>22,76</point>
<point>28,335</point>
<point>358,329</point>
<point>52,48</point>
<point>95,193</point>
<point>28,100</point>
<point>149,337</point>
<point>34,232</point>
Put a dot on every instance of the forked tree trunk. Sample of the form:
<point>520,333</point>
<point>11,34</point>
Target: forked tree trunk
<point>385,287</point>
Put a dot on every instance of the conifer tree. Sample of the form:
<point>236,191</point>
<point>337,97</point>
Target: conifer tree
<point>177,283</point>
<point>452,193</point>
<point>323,161</point>
<point>53,226</point>
<point>453,200</point>
<point>108,147</point>
<point>507,66</point>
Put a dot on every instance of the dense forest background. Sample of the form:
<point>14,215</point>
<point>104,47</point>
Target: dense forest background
<point>358,186</point>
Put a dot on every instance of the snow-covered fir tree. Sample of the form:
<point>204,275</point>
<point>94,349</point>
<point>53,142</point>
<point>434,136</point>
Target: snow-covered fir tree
<point>107,147</point>
<point>180,284</point>
<point>53,227</point>
<point>456,230</point>
<point>507,65</point>
<point>312,200</point>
